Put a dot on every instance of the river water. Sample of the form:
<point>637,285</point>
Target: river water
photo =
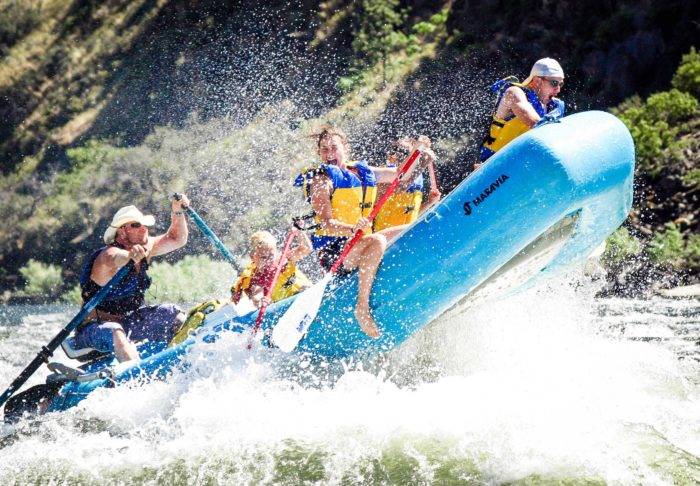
<point>551,386</point>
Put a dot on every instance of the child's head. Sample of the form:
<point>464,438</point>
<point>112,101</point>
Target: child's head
<point>262,246</point>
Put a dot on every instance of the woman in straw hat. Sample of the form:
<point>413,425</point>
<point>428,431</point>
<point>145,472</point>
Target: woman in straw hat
<point>122,318</point>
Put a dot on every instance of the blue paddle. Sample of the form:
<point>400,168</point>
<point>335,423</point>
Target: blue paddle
<point>47,351</point>
<point>208,233</point>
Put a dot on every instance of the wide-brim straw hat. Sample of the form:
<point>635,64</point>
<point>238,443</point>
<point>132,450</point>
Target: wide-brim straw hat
<point>546,67</point>
<point>127,214</point>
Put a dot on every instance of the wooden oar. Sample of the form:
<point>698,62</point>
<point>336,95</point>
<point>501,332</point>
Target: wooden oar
<point>295,322</point>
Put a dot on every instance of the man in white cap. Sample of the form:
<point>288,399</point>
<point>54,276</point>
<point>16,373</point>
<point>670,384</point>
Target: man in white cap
<point>122,318</point>
<point>521,106</point>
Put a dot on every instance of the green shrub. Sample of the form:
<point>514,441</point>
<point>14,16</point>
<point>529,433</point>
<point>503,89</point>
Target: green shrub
<point>41,279</point>
<point>671,106</point>
<point>620,246</point>
<point>73,296</point>
<point>667,246</point>
<point>692,178</point>
<point>687,77</point>
<point>656,122</point>
<point>17,19</point>
<point>692,250</point>
<point>653,125</point>
<point>192,279</point>
<point>95,153</point>
<point>433,26</point>
<point>650,137</point>
<point>377,33</point>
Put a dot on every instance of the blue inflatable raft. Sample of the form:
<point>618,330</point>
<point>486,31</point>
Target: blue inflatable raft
<point>544,202</point>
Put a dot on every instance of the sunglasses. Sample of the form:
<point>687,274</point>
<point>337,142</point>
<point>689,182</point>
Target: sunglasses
<point>134,225</point>
<point>555,83</point>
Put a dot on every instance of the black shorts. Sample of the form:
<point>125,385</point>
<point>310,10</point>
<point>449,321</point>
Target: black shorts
<point>329,253</point>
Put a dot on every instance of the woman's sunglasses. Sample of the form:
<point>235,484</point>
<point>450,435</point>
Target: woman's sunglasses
<point>134,225</point>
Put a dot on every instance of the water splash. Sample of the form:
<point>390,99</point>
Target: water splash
<point>537,387</point>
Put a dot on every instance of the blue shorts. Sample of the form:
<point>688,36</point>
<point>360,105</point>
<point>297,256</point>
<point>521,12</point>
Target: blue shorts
<point>152,322</point>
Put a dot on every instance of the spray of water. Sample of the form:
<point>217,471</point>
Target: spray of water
<point>539,386</point>
<point>536,386</point>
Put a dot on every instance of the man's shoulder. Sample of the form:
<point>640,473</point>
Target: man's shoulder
<point>104,262</point>
<point>515,91</point>
<point>104,253</point>
<point>152,242</point>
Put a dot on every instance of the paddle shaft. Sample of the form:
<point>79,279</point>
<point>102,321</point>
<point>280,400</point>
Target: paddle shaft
<point>270,288</point>
<point>209,233</point>
<point>377,207</point>
<point>47,351</point>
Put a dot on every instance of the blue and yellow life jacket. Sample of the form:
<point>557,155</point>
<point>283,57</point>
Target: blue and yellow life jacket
<point>124,297</point>
<point>402,207</point>
<point>502,131</point>
<point>353,195</point>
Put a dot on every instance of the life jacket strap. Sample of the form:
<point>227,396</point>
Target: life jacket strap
<point>300,222</point>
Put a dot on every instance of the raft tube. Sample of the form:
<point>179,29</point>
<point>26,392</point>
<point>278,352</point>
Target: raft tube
<point>541,204</point>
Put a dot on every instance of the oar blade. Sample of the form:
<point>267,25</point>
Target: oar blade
<point>295,322</point>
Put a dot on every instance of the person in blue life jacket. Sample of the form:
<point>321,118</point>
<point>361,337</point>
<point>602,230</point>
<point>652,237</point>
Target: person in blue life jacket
<point>342,194</point>
<point>122,318</point>
<point>520,106</point>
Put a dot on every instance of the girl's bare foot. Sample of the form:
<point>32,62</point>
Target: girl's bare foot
<point>367,323</point>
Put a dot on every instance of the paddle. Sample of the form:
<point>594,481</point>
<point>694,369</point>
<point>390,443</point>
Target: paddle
<point>47,351</point>
<point>295,322</point>
<point>268,290</point>
<point>208,233</point>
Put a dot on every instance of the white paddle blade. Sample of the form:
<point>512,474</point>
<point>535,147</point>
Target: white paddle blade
<point>295,322</point>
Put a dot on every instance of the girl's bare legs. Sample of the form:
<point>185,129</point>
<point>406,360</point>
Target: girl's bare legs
<point>366,256</point>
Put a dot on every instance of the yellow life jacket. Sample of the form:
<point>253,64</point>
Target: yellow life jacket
<point>353,196</point>
<point>401,208</point>
<point>502,131</point>
<point>291,281</point>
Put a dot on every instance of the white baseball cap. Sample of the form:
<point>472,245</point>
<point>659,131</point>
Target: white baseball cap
<point>547,67</point>
<point>127,214</point>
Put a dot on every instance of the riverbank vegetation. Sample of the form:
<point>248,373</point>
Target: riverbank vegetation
<point>190,280</point>
<point>659,245</point>
<point>116,103</point>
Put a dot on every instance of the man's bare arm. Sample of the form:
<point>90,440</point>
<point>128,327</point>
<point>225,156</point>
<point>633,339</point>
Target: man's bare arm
<point>177,234</point>
<point>516,100</point>
<point>111,260</point>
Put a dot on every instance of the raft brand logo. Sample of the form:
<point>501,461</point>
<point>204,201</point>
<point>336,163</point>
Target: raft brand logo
<point>484,194</point>
<point>304,323</point>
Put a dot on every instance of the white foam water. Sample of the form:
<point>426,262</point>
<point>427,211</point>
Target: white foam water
<point>542,387</point>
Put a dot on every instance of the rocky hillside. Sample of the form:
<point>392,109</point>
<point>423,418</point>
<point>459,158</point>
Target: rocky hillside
<point>115,102</point>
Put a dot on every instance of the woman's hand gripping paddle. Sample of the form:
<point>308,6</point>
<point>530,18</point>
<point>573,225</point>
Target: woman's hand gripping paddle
<point>271,286</point>
<point>294,324</point>
<point>47,351</point>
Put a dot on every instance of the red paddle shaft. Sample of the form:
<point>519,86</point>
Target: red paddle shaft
<point>377,207</point>
<point>269,289</point>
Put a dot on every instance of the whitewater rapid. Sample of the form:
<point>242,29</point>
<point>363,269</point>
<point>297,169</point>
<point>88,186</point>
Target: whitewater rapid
<point>549,385</point>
